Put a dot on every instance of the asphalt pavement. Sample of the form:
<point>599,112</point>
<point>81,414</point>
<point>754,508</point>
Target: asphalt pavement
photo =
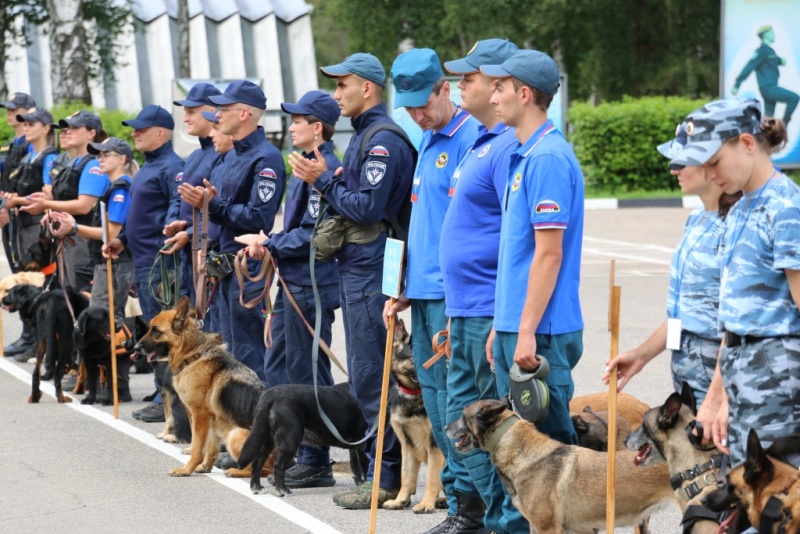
<point>74,468</point>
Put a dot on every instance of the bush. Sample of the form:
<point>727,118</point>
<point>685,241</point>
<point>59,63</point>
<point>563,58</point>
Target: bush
<point>616,142</point>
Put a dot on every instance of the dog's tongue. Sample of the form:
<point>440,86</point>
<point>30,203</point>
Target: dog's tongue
<point>726,527</point>
<point>150,356</point>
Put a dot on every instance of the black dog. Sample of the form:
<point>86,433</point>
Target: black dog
<point>177,428</point>
<point>92,340</point>
<point>49,314</point>
<point>287,416</point>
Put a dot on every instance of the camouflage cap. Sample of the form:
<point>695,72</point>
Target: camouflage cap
<point>670,149</point>
<point>710,126</point>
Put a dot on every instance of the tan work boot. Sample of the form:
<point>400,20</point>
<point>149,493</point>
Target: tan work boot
<point>362,497</point>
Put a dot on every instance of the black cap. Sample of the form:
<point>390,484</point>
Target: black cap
<point>82,118</point>
<point>19,100</point>
<point>36,115</point>
<point>112,144</point>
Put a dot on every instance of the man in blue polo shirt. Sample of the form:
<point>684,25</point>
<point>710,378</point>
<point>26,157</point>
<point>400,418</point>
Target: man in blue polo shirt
<point>151,191</point>
<point>247,201</point>
<point>420,87</point>
<point>198,168</point>
<point>540,239</point>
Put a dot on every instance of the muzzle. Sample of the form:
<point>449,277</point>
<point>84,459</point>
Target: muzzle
<point>528,393</point>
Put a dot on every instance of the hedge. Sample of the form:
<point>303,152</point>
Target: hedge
<point>616,142</point>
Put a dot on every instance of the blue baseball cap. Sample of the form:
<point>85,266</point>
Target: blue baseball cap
<point>199,95</point>
<point>112,144</point>
<point>532,67</point>
<point>36,115</point>
<point>414,73</point>
<point>19,100</point>
<point>151,115</point>
<point>486,52</point>
<point>670,149</point>
<point>242,92</point>
<point>210,116</point>
<point>317,103</point>
<point>365,65</point>
<point>81,118</point>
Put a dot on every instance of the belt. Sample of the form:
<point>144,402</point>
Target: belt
<point>689,333</point>
<point>735,340</point>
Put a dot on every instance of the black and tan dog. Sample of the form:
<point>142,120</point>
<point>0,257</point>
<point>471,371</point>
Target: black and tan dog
<point>287,415</point>
<point>589,415</point>
<point>559,488</point>
<point>413,429</point>
<point>694,469</point>
<point>49,314</point>
<point>219,392</point>
<point>766,486</point>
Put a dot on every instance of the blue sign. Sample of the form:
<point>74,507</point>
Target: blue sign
<point>393,267</point>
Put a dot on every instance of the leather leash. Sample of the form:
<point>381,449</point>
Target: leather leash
<point>440,349</point>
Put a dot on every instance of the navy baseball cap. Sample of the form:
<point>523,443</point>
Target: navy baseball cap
<point>112,144</point>
<point>199,95</point>
<point>151,115</point>
<point>242,92</point>
<point>365,65</point>
<point>82,118</point>
<point>486,52</point>
<point>414,73</point>
<point>532,67</point>
<point>19,100</point>
<point>210,116</point>
<point>317,103</point>
<point>36,115</point>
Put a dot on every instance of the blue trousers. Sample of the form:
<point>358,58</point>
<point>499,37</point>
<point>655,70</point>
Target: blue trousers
<point>563,352</point>
<point>469,379</point>
<point>243,329</point>
<point>289,359</point>
<point>365,339</point>
<point>428,318</point>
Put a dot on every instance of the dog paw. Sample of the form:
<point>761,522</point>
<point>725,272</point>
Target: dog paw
<point>187,451</point>
<point>424,508</point>
<point>397,504</point>
<point>169,438</point>
<point>88,400</point>
<point>258,490</point>
<point>441,503</point>
<point>108,402</point>
<point>283,492</point>
<point>34,399</point>
<point>204,468</point>
<point>179,472</point>
<point>63,399</point>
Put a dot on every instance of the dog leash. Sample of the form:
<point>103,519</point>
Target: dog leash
<point>266,272</point>
<point>170,290</point>
<point>440,349</point>
<point>199,254</point>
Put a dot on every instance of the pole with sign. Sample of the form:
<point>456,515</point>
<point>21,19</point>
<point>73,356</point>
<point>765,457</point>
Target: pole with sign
<point>392,278</point>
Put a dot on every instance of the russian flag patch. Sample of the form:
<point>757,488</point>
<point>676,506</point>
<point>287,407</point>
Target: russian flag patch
<point>547,206</point>
<point>96,170</point>
<point>179,177</point>
<point>119,197</point>
<point>380,151</point>
<point>267,173</point>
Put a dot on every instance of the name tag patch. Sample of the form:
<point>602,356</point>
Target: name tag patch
<point>375,171</point>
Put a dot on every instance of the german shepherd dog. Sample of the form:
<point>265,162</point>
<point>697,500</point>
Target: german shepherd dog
<point>589,415</point>
<point>694,470</point>
<point>767,486</point>
<point>219,392</point>
<point>287,415</point>
<point>177,428</point>
<point>559,488</point>
<point>413,428</point>
<point>52,323</point>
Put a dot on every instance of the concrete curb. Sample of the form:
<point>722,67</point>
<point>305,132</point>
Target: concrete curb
<point>688,202</point>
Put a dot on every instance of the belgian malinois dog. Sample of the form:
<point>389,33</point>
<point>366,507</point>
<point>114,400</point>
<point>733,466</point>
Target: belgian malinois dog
<point>766,486</point>
<point>559,488</point>
<point>589,415</point>
<point>219,392</point>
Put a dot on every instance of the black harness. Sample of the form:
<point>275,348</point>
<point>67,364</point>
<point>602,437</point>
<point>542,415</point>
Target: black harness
<point>65,178</point>
<point>95,245</point>
<point>11,156</point>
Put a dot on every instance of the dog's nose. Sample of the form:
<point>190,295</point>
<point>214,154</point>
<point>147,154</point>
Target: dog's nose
<point>138,348</point>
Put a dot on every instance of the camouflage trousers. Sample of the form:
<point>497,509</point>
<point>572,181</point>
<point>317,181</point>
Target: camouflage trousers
<point>762,380</point>
<point>695,364</point>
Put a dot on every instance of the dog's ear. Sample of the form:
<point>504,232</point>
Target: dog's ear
<point>687,397</point>
<point>581,428</point>
<point>490,410</point>
<point>786,449</point>
<point>182,309</point>
<point>588,409</point>
<point>81,326</point>
<point>668,413</point>
<point>758,469</point>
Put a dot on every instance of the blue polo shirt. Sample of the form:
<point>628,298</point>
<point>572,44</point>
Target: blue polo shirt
<point>471,229</point>
<point>151,191</point>
<point>119,201</point>
<point>544,191</point>
<point>439,154</point>
<point>93,181</point>
<point>251,191</point>
<point>363,192</point>
<point>198,167</point>
<point>292,246</point>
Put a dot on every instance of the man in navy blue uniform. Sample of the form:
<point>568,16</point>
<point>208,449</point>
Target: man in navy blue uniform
<point>151,192</point>
<point>246,202</point>
<point>198,168</point>
<point>370,184</point>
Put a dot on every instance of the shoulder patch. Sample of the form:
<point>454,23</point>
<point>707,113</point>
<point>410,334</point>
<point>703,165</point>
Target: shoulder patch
<point>266,190</point>
<point>119,197</point>
<point>380,151</point>
<point>179,177</point>
<point>267,173</point>
<point>313,206</point>
<point>96,170</point>
<point>375,171</point>
<point>547,206</point>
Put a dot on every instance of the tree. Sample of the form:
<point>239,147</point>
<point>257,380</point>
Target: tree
<point>67,57</point>
<point>184,47</point>
<point>11,34</point>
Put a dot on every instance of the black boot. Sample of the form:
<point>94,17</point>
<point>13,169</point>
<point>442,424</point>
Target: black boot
<point>468,518</point>
<point>24,343</point>
<point>123,378</point>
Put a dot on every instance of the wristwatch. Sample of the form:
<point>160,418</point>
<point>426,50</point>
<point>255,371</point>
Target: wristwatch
<point>73,232</point>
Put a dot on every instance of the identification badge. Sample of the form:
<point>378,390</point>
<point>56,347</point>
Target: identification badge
<point>674,334</point>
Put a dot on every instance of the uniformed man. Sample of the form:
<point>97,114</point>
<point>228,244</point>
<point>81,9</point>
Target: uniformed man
<point>449,132</point>
<point>371,183</point>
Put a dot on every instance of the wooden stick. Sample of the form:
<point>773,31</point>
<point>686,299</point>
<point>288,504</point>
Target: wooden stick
<point>376,476</point>
<point>612,410</point>
<point>111,329</point>
<point>611,281</point>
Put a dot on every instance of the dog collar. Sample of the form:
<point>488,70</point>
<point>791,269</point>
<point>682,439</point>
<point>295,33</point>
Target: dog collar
<point>412,392</point>
<point>187,362</point>
<point>677,480</point>
<point>500,431</point>
<point>49,269</point>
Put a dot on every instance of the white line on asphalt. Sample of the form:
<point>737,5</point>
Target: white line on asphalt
<point>271,502</point>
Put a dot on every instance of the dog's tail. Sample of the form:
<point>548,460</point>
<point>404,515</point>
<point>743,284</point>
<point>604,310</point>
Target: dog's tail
<point>260,437</point>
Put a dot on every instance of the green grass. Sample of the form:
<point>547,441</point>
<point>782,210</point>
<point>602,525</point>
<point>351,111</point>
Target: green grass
<point>658,193</point>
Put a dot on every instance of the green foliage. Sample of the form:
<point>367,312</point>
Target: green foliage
<point>616,142</point>
<point>102,47</point>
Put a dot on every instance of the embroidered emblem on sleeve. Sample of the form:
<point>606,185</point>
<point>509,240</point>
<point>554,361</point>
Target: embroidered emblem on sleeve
<point>313,206</point>
<point>375,171</point>
<point>119,197</point>
<point>266,190</point>
<point>179,177</point>
<point>96,170</point>
<point>547,206</point>
<point>267,173</point>
<point>380,151</point>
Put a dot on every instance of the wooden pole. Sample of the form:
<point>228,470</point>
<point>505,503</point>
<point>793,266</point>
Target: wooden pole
<point>611,279</point>
<point>111,329</point>
<point>613,306</point>
<point>376,476</point>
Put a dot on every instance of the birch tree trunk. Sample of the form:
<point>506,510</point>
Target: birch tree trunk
<point>68,58</point>
<point>184,58</point>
